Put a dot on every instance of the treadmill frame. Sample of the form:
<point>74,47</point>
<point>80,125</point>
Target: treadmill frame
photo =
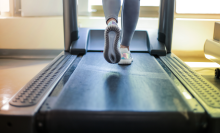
<point>13,119</point>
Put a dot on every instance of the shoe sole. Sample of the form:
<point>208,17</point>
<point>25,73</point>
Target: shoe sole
<point>111,51</point>
<point>125,62</point>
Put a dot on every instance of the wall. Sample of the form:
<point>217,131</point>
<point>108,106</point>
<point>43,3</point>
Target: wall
<point>31,33</point>
<point>47,32</point>
<point>41,7</point>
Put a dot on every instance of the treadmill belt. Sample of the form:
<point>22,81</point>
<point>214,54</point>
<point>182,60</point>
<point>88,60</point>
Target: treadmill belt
<point>102,92</point>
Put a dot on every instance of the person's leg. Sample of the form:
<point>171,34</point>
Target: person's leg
<point>129,19</point>
<point>112,32</point>
<point>111,9</point>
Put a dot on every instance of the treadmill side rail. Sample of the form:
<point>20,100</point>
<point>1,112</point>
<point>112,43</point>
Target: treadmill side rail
<point>206,93</point>
<point>14,115</point>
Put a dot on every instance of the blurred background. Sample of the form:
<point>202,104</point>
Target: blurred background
<point>40,23</point>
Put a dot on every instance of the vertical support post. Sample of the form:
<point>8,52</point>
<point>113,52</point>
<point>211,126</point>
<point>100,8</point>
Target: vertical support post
<point>70,22</point>
<point>165,32</point>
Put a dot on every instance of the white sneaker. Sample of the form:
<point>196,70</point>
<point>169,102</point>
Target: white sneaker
<point>126,57</point>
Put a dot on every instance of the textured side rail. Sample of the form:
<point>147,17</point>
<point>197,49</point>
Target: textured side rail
<point>205,90</point>
<point>32,92</point>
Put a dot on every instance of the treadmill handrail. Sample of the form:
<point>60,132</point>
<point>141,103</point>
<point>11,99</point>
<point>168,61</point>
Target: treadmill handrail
<point>165,29</point>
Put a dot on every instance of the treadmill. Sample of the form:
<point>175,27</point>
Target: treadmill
<point>80,92</point>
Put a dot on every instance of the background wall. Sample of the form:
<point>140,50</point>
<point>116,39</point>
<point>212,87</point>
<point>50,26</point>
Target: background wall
<point>47,32</point>
<point>31,33</point>
<point>42,7</point>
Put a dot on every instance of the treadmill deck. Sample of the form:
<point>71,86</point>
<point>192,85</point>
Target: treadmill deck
<point>140,96</point>
<point>99,86</point>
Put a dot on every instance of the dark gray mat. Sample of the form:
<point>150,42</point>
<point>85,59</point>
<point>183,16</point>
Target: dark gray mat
<point>99,86</point>
<point>103,97</point>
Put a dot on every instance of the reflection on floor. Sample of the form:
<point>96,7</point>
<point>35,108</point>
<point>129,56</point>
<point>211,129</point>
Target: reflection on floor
<point>207,70</point>
<point>201,65</point>
<point>204,68</point>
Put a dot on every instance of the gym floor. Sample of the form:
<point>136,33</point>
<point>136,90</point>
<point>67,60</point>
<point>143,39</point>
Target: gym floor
<point>15,73</point>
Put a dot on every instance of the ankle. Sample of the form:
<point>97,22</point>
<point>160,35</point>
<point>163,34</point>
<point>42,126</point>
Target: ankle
<point>122,46</point>
<point>111,19</point>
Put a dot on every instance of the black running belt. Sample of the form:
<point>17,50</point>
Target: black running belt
<point>109,97</point>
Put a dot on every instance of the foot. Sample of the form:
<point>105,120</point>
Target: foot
<point>122,46</point>
<point>111,50</point>
<point>126,58</point>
